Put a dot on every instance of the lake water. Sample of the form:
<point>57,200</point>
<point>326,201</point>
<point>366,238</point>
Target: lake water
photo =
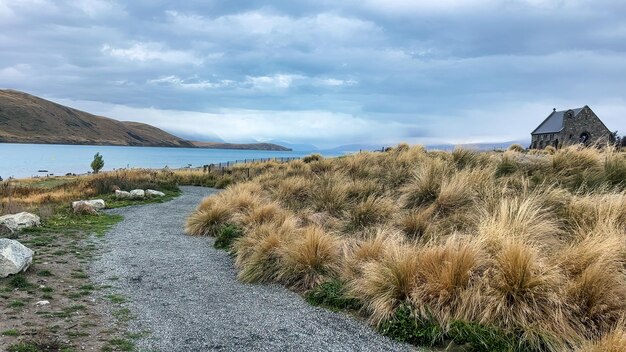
<point>25,160</point>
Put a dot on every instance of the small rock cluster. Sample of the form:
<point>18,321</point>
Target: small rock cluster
<point>14,256</point>
<point>138,194</point>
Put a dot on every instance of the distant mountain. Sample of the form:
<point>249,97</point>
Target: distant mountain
<point>295,146</point>
<point>479,146</point>
<point>360,147</point>
<point>246,146</point>
<point>25,118</point>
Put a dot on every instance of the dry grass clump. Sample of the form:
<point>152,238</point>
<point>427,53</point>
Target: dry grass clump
<point>613,341</point>
<point>386,283</point>
<point>330,194</point>
<point>294,191</point>
<point>368,249</point>
<point>447,276</point>
<point>258,253</point>
<point>310,258</point>
<point>208,221</point>
<point>261,214</point>
<point>425,186</point>
<point>417,223</point>
<point>516,148</point>
<point>505,251</point>
<point>520,218</point>
<point>370,211</point>
<point>522,293</point>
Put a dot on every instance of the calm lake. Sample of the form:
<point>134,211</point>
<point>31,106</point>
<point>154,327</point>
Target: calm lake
<point>25,160</point>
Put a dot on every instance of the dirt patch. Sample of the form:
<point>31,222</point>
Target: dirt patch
<point>71,318</point>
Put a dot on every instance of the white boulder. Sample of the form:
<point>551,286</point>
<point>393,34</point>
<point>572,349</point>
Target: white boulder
<point>20,221</point>
<point>153,193</point>
<point>122,194</point>
<point>96,204</point>
<point>14,257</point>
<point>137,194</point>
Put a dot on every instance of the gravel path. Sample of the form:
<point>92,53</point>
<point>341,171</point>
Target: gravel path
<point>186,293</point>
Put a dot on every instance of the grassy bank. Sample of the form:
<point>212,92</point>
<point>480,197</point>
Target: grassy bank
<point>509,251</point>
<point>36,193</point>
<point>71,320</point>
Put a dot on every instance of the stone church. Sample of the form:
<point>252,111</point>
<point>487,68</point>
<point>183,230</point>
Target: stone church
<point>567,127</point>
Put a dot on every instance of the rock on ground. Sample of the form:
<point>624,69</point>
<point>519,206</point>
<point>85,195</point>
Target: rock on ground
<point>122,194</point>
<point>186,293</point>
<point>20,221</point>
<point>14,257</point>
<point>151,192</point>
<point>137,194</point>
<point>97,204</point>
<point>85,209</point>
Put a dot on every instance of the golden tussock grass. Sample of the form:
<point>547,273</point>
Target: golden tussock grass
<point>386,283</point>
<point>528,243</point>
<point>446,276</point>
<point>612,341</point>
<point>208,220</point>
<point>311,257</point>
<point>258,254</point>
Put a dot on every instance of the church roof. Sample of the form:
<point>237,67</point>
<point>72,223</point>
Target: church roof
<point>554,122</point>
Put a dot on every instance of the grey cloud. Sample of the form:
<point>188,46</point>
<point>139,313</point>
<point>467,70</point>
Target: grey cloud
<point>411,70</point>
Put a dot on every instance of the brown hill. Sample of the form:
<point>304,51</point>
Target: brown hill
<point>25,118</point>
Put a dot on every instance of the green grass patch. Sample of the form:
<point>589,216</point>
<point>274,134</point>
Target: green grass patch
<point>332,295</point>
<point>39,347</point>
<point>44,273</point>
<point>117,299</point>
<point>20,282</point>
<point>23,347</point>
<point>17,303</point>
<point>482,337</point>
<point>10,332</point>
<point>64,221</point>
<point>404,327</point>
<point>226,236</point>
<point>119,344</point>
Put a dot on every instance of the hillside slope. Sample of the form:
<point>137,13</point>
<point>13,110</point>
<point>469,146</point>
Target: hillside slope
<point>25,118</point>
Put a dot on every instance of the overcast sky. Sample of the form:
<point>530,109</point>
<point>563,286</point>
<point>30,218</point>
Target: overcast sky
<point>323,72</point>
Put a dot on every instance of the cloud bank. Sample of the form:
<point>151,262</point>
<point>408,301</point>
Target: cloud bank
<point>323,72</point>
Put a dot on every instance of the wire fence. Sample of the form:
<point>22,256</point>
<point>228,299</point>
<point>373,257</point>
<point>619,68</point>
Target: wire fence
<point>229,164</point>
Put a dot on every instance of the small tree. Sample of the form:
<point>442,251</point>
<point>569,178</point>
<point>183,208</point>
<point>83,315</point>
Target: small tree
<point>97,164</point>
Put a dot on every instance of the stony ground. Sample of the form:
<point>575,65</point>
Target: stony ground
<point>54,306</point>
<point>178,293</point>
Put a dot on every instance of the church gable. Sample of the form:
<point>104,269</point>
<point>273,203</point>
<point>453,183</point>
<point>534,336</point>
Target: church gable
<point>568,127</point>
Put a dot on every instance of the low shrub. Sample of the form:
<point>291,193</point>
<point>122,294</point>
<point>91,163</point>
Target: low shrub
<point>332,294</point>
<point>405,327</point>
<point>227,236</point>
